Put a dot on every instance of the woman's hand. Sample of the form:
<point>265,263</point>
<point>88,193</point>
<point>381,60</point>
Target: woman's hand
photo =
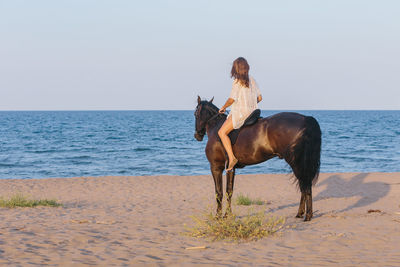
<point>227,104</point>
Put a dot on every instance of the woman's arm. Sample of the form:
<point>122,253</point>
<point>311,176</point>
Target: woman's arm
<point>259,98</point>
<point>227,104</point>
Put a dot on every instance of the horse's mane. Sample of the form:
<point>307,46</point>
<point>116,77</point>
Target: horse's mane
<point>213,108</point>
<point>210,104</point>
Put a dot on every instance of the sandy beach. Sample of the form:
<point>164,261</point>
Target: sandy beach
<point>133,221</point>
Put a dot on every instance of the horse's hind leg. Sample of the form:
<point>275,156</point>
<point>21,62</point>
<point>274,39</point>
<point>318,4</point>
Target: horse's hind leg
<point>308,201</point>
<point>305,204</point>
<point>217,175</point>
<point>306,198</point>
<point>302,205</point>
<point>230,179</point>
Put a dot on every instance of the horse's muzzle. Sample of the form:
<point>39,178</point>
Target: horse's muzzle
<point>198,136</point>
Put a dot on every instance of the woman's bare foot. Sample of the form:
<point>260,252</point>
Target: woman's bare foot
<point>232,164</point>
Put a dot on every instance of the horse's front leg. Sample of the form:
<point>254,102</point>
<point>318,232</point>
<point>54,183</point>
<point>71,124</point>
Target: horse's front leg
<point>230,179</point>
<point>217,175</point>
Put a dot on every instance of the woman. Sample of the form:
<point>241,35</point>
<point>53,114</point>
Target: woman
<point>244,97</point>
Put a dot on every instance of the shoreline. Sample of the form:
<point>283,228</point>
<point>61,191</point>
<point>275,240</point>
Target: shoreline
<point>178,175</point>
<point>140,220</point>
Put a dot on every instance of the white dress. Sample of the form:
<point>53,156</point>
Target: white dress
<point>245,101</point>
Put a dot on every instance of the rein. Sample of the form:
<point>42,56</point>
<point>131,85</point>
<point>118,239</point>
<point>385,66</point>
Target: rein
<point>214,116</point>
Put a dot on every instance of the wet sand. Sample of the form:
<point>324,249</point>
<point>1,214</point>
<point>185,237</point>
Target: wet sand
<point>136,221</point>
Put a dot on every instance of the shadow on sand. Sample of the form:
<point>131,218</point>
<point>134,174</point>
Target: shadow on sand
<point>337,187</point>
<point>369,192</point>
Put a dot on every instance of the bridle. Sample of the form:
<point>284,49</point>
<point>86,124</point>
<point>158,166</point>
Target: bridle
<point>210,109</point>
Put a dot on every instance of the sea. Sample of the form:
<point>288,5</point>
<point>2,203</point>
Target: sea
<point>43,144</point>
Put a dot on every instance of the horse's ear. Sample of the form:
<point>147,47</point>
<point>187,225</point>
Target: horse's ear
<point>198,99</point>
<point>211,99</point>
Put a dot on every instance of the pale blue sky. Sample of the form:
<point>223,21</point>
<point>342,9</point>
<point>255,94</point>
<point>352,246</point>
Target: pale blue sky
<point>84,55</point>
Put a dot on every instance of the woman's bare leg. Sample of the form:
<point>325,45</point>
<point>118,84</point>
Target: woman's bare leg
<point>223,132</point>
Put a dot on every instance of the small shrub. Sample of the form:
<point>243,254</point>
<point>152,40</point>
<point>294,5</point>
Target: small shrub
<point>247,228</point>
<point>22,201</point>
<point>247,201</point>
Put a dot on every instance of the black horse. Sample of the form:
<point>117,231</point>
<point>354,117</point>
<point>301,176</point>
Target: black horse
<point>290,136</point>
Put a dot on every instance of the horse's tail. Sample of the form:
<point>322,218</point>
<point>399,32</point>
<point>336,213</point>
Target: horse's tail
<point>306,154</point>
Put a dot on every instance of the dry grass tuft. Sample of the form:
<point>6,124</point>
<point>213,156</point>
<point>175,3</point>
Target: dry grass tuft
<point>22,201</point>
<point>235,228</point>
<point>247,201</point>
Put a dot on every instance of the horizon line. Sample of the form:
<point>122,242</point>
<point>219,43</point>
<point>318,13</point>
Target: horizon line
<point>51,110</point>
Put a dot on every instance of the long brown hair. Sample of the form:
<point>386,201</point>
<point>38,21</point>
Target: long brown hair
<point>240,71</point>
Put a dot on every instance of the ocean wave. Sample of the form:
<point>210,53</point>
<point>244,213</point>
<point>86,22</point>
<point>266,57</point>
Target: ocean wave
<point>7,165</point>
<point>141,149</point>
<point>114,138</point>
<point>45,151</point>
<point>81,157</point>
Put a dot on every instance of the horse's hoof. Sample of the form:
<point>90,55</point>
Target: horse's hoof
<point>308,218</point>
<point>299,216</point>
<point>227,214</point>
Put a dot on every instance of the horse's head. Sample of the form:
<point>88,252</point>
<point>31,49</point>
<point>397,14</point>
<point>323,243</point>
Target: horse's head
<point>205,110</point>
